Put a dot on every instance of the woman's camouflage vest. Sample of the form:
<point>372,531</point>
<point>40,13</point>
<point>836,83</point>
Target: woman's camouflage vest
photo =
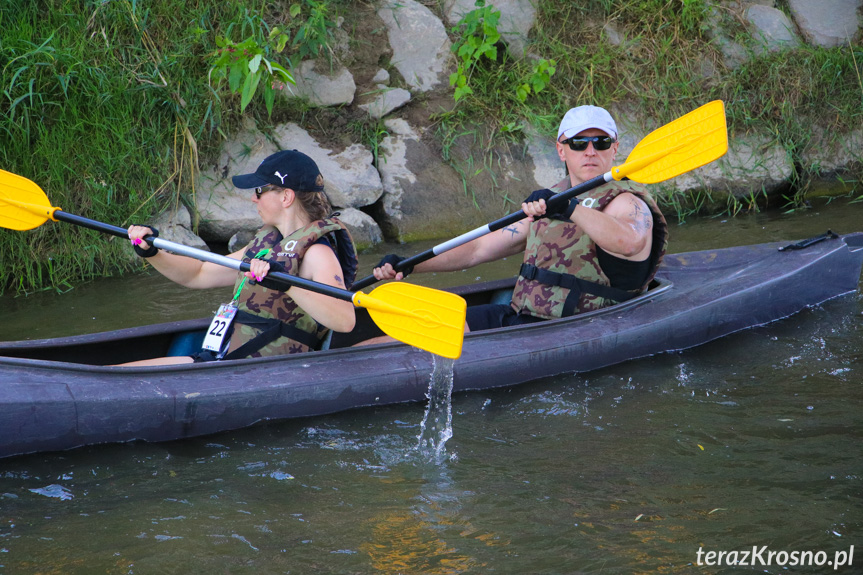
<point>577,283</point>
<point>269,304</point>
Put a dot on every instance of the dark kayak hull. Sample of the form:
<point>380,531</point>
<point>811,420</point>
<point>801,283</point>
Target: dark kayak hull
<point>53,396</point>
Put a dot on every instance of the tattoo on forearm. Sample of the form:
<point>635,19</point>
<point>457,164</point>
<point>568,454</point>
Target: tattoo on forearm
<point>511,229</point>
<point>339,280</point>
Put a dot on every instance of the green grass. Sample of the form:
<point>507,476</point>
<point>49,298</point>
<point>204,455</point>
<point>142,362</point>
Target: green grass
<point>108,108</point>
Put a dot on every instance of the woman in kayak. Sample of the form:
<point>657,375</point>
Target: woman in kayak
<point>299,237</point>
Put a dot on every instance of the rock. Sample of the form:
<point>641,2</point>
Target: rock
<point>382,77</point>
<point>364,230</point>
<point>548,169</point>
<point>827,23</point>
<point>350,178</point>
<point>176,226</point>
<point>224,210</point>
<point>753,166</point>
<point>322,88</point>
<point>240,240</point>
<point>828,154</point>
<point>421,47</point>
<point>772,27</point>
<point>733,53</point>
<point>385,101</point>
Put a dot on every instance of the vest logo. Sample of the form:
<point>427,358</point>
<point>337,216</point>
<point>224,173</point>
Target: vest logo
<point>281,177</point>
<point>288,247</point>
<point>589,202</point>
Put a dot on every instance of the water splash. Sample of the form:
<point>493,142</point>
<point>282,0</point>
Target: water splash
<point>436,426</point>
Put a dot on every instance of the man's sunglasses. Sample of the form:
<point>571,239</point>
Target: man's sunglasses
<point>263,190</point>
<point>579,143</point>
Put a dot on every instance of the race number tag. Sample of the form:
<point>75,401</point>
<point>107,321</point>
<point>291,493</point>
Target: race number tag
<point>219,327</point>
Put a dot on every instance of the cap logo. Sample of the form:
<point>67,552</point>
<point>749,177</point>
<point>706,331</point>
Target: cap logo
<point>281,177</point>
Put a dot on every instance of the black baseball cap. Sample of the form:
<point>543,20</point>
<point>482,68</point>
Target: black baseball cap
<point>287,169</point>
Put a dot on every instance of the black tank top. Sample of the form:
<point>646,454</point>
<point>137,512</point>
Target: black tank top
<point>623,274</point>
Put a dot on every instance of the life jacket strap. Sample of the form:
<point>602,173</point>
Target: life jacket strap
<point>271,330</point>
<point>576,287</point>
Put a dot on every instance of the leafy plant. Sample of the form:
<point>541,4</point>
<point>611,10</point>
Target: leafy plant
<point>538,79</point>
<point>314,34</point>
<point>478,42</point>
<point>479,38</point>
<point>247,64</point>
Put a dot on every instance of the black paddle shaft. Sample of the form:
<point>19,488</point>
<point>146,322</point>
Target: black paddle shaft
<point>553,203</point>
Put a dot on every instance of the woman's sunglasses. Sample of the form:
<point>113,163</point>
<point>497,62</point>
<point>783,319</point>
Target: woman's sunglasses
<point>263,190</point>
<point>579,143</point>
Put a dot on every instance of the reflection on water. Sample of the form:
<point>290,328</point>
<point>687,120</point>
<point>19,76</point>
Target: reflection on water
<point>751,440</point>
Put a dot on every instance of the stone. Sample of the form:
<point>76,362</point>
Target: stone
<point>753,165</point>
<point>827,23</point>
<point>363,228</point>
<point>385,101</point>
<point>176,226</point>
<point>381,77</point>
<point>322,88</point>
<point>223,209</point>
<point>772,27</point>
<point>421,47</point>
<point>350,178</point>
<point>828,153</point>
<point>548,169</point>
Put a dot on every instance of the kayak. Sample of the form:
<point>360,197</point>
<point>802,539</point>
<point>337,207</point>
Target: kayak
<point>59,394</point>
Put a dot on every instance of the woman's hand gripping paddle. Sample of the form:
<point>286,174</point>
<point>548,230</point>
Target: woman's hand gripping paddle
<point>688,142</point>
<point>423,317</point>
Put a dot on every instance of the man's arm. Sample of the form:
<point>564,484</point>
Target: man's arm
<point>623,229</point>
<point>502,243</point>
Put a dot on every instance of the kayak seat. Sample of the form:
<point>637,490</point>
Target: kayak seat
<point>186,343</point>
<point>501,296</point>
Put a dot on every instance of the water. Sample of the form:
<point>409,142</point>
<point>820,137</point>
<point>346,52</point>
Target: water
<point>754,440</point>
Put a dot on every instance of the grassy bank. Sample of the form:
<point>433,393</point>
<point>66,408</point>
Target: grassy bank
<point>664,65</point>
<point>108,106</point>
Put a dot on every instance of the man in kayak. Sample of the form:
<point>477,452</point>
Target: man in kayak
<point>299,237</point>
<point>602,248</point>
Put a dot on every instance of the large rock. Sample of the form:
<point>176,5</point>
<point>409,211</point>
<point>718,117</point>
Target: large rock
<point>385,100</point>
<point>223,209</point>
<point>426,198</point>
<point>548,169</point>
<point>364,229</point>
<point>828,153</point>
<point>421,47</point>
<point>754,167</point>
<point>772,27</point>
<point>350,178</point>
<point>175,225</point>
<point>827,23</point>
<point>333,87</point>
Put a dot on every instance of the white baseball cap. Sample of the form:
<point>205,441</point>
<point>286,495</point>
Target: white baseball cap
<point>585,117</point>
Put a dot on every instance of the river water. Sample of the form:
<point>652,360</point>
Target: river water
<point>750,441</point>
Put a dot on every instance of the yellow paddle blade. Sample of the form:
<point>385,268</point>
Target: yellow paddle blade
<point>423,317</point>
<point>688,142</point>
<point>23,204</point>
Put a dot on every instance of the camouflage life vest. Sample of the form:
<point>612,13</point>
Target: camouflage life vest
<point>561,275</point>
<point>269,322</point>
